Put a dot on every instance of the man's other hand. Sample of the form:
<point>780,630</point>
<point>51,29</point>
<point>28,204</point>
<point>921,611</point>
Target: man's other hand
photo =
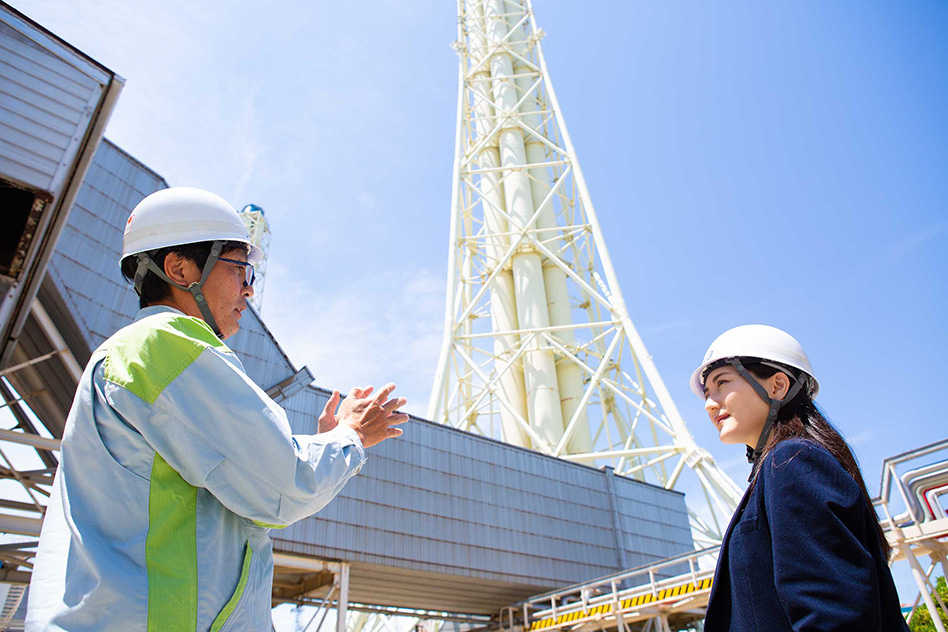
<point>372,417</point>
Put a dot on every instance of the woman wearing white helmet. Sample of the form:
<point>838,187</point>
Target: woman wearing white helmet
<point>804,550</point>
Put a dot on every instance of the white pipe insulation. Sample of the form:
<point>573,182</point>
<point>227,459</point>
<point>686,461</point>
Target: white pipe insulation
<point>503,304</point>
<point>539,368</point>
<point>569,376</point>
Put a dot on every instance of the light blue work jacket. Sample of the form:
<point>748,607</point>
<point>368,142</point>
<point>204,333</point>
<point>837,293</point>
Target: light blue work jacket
<point>174,466</point>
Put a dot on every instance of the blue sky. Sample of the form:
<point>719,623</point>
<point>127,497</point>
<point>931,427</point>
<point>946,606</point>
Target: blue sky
<point>780,163</point>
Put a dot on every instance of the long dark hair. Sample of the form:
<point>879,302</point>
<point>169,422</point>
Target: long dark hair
<point>802,418</point>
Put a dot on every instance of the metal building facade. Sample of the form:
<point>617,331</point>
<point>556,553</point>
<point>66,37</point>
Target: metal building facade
<point>49,94</point>
<point>443,519</point>
<point>84,268</point>
<point>55,102</point>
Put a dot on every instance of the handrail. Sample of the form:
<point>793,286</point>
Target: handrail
<point>624,606</point>
<point>646,569</point>
<point>908,485</point>
<point>931,498</point>
<point>888,465</point>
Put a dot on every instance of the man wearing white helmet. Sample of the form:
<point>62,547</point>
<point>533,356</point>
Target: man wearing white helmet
<point>197,229</point>
<point>804,550</point>
<point>174,464</point>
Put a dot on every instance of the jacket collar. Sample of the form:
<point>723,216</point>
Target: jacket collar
<point>151,310</point>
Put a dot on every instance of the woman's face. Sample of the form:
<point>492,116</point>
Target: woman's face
<point>735,408</point>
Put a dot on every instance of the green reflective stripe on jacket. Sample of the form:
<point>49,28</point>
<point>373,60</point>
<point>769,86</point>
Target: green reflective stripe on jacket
<point>238,592</point>
<point>149,355</point>
<point>171,550</point>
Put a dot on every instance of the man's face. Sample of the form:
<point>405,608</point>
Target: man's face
<point>226,292</point>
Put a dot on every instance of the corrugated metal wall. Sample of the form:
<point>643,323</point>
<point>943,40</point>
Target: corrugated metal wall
<point>443,500</point>
<point>437,519</point>
<point>48,94</point>
<point>84,266</point>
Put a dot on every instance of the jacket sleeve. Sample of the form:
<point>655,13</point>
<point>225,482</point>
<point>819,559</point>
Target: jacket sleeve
<point>824,574</point>
<point>220,431</point>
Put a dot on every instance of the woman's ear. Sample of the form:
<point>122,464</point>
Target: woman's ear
<point>780,385</point>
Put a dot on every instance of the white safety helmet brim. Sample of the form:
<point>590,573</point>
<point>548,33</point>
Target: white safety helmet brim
<point>770,345</point>
<point>184,215</point>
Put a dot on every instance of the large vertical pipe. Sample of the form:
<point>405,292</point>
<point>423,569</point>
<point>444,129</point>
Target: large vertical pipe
<point>539,368</point>
<point>503,304</point>
<point>683,437</point>
<point>569,376</point>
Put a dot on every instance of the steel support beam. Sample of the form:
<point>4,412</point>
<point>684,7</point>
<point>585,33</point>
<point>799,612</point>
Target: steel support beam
<point>532,292</point>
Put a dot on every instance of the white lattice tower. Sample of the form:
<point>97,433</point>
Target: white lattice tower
<point>539,349</point>
<point>259,229</point>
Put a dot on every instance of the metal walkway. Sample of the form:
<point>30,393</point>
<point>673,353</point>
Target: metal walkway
<point>636,600</point>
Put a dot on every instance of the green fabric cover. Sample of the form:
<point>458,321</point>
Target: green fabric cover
<point>147,356</point>
<point>171,550</point>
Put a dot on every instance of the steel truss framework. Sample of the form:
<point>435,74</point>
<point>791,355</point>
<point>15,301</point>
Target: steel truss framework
<point>259,230</point>
<point>922,529</point>
<point>539,349</point>
<point>25,493</point>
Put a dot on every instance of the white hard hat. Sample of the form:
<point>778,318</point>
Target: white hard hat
<point>757,341</point>
<point>184,215</point>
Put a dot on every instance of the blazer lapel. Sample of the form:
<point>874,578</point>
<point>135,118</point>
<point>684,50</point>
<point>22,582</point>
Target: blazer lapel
<point>722,568</point>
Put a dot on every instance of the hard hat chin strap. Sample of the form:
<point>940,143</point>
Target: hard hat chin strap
<point>146,264</point>
<point>754,454</point>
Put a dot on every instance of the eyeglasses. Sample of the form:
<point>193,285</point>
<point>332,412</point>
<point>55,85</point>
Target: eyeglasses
<point>248,269</point>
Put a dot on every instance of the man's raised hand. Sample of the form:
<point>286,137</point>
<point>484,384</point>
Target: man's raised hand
<point>373,417</point>
<point>327,418</point>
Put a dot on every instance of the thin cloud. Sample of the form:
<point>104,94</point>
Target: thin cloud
<point>249,147</point>
<point>916,241</point>
<point>662,328</point>
<point>386,328</point>
<point>905,246</point>
<point>863,437</point>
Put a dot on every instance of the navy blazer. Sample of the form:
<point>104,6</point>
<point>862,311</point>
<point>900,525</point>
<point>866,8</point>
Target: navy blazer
<point>802,553</point>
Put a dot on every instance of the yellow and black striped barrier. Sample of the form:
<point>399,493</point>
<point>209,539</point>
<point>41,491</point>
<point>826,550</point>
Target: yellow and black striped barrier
<point>625,604</point>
